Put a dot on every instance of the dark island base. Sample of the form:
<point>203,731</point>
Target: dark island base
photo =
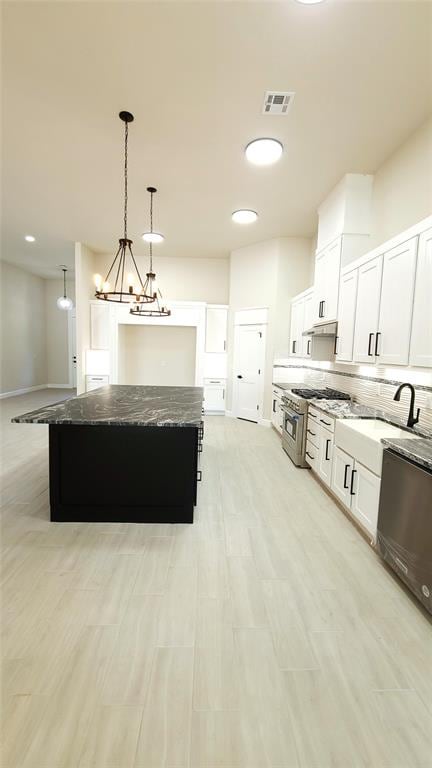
<point>120,474</point>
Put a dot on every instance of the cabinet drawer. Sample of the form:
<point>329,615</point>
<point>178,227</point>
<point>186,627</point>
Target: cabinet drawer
<point>313,414</point>
<point>215,382</point>
<point>313,432</point>
<point>327,421</point>
<point>312,455</point>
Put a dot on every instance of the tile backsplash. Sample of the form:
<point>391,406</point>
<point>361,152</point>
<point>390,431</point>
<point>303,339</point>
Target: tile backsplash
<point>370,387</point>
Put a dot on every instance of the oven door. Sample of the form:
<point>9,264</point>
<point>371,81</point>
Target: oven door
<point>293,427</point>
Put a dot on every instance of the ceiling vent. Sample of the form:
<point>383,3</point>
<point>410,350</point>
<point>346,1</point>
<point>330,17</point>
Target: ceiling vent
<point>277,102</point>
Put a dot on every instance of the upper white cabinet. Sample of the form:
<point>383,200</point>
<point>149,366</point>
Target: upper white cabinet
<point>301,320</point>
<point>99,325</point>
<point>367,310</point>
<point>421,332</point>
<point>326,284</point>
<point>216,329</point>
<point>346,315</point>
<point>397,291</point>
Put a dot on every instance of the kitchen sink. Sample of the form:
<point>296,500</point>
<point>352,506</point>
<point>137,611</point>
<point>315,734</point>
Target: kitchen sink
<point>361,438</point>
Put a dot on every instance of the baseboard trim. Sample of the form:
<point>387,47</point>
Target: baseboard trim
<point>229,414</point>
<point>24,391</point>
<point>264,422</point>
<point>59,386</point>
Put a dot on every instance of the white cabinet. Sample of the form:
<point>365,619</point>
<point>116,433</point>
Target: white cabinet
<point>297,325</point>
<point>342,468</point>
<point>99,325</point>
<point>95,382</point>
<point>216,329</point>
<point>308,322</point>
<point>214,395</point>
<point>367,310</point>
<point>421,332</point>
<point>365,497</point>
<point>357,487</point>
<point>325,455</point>
<point>326,283</point>
<point>346,315</point>
<point>277,413</point>
<point>397,292</point>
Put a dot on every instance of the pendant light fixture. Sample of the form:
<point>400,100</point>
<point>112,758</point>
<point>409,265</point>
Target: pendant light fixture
<point>123,282</point>
<point>63,302</point>
<point>141,308</point>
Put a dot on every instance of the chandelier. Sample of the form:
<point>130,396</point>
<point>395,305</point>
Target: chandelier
<point>123,282</point>
<point>150,288</point>
<point>63,302</point>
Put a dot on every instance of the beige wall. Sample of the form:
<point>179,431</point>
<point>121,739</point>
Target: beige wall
<point>402,191</point>
<point>85,268</point>
<point>23,345</point>
<point>157,355</point>
<point>57,340</point>
<point>183,279</point>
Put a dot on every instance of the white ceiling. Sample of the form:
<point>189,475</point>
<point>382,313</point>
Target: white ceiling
<point>194,75</point>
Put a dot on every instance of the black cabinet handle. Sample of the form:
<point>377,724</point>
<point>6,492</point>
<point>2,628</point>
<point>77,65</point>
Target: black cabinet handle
<point>239,376</point>
<point>323,310</point>
<point>293,346</point>
<point>336,344</point>
<point>311,457</point>
<point>223,394</point>
<point>199,476</point>
<point>311,415</point>
<point>345,476</point>
<point>371,335</point>
<point>311,433</point>
<point>352,482</point>
<point>376,343</point>
<point>274,406</point>
<point>323,421</point>
<point>308,347</point>
<point>326,453</point>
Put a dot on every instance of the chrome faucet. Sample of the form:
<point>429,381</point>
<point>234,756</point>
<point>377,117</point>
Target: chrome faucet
<point>411,420</point>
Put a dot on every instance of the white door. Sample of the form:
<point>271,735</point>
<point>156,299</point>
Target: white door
<point>325,455</point>
<point>346,319</point>
<point>421,332</point>
<point>341,475</point>
<point>332,272</point>
<point>397,295</point>
<point>365,498</point>
<point>216,327</point>
<point>249,358</point>
<point>367,310</point>
<point>306,341</point>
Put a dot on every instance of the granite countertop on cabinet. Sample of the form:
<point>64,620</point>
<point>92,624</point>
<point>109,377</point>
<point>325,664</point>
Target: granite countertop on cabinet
<point>419,451</point>
<point>348,409</point>
<point>290,385</point>
<point>121,405</point>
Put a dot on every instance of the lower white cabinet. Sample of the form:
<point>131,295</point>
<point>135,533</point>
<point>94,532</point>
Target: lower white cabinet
<point>325,455</point>
<point>277,413</point>
<point>214,395</point>
<point>357,487</point>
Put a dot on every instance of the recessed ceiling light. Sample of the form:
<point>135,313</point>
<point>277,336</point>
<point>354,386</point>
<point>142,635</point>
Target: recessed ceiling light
<point>264,151</point>
<point>30,238</point>
<point>152,237</point>
<point>244,216</point>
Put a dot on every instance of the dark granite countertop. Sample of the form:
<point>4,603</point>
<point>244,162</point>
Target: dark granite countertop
<point>419,451</point>
<point>290,385</point>
<point>120,405</point>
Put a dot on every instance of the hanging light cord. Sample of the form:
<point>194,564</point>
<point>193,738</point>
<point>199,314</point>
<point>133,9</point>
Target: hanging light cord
<point>64,283</point>
<point>151,230</point>
<point>126,179</point>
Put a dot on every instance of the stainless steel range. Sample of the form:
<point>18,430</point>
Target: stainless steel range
<point>294,407</point>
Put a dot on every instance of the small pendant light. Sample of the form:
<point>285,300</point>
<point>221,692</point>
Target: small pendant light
<point>123,287</point>
<point>63,302</point>
<point>157,308</point>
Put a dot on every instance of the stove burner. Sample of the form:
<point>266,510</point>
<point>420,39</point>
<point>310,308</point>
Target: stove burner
<point>321,394</point>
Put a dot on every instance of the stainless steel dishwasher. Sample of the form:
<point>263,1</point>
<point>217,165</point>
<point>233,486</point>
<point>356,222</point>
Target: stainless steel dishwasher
<point>404,537</point>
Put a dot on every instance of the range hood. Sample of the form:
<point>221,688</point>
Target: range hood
<point>326,330</point>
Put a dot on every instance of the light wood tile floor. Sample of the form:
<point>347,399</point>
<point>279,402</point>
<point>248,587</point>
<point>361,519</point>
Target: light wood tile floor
<point>266,635</point>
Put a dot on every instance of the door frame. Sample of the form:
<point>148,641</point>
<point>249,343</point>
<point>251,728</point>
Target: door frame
<point>71,321</point>
<point>256,316</point>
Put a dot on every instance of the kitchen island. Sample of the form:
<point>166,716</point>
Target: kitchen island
<point>124,454</point>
